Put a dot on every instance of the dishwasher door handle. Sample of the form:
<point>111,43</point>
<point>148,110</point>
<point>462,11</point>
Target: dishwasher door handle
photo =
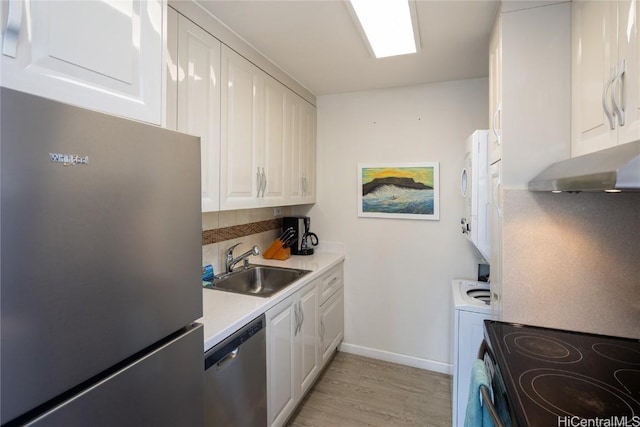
<point>233,354</point>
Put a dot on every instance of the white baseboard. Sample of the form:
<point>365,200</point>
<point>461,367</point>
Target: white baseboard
<point>387,356</point>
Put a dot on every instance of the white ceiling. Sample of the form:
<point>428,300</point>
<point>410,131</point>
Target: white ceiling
<point>318,43</point>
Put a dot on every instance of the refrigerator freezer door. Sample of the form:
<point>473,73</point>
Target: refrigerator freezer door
<point>101,252</point>
<point>164,388</point>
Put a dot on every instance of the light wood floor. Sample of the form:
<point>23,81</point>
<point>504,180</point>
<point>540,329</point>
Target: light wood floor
<point>357,391</point>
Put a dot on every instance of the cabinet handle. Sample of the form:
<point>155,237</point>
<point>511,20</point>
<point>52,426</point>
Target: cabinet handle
<point>14,22</point>
<point>258,182</point>
<point>322,331</point>
<point>264,182</point>
<point>261,182</point>
<point>297,317</point>
<point>495,196</point>
<point>607,111</point>
<point>301,315</point>
<point>496,114</point>
<point>618,107</point>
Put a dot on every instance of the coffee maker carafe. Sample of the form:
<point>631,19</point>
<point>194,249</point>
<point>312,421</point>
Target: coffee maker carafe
<point>304,239</point>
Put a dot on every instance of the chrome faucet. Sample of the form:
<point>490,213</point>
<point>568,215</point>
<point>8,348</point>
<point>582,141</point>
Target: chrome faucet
<point>230,261</point>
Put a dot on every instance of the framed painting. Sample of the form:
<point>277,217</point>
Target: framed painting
<point>399,190</point>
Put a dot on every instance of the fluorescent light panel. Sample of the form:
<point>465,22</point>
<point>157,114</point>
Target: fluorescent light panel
<point>387,25</point>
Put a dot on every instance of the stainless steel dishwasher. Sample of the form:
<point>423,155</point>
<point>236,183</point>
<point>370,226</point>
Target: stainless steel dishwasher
<point>236,379</point>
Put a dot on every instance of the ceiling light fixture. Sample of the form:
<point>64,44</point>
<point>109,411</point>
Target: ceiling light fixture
<point>387,25</point>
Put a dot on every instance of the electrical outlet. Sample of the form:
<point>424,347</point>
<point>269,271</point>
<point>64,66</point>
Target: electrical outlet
<point>277,211</point>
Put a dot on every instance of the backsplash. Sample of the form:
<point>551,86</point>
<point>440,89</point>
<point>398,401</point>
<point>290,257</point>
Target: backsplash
<point>571,261</point>
<point>219,235</point>
<point>221,230</point>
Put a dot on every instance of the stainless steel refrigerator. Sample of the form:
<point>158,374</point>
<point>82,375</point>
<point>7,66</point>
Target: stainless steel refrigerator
<point>100,265</point>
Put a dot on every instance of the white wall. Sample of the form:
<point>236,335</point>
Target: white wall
<point>398,273</point>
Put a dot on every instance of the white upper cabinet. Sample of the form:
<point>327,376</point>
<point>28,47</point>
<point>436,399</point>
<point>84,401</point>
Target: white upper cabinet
<point>605,73</point>
<point>241,173</point>
<point>629,52</point>
<point>272,154</point>
<point>302,150</point>
<point>530,90</point>
<point>257,135</point>
<point>495,93</point>
<point>99,54</point>
<point>308,154</point>
<point>268,139</point>
<point>197,106</point>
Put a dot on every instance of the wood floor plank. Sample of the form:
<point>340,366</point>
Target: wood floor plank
<point>356,391</point>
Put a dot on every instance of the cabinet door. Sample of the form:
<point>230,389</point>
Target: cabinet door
<point>308,337</point>
<point>273,152</point>
<point>102,55</point>
<point>281,359</point>
<point>294,145</point>
<point>198,102</point>
<point>495,172</point>
<point>495,92</point>
<point>593,56</point>
<point>331,325</point>
<point>242,132</point>
<point>629,51</point>
<point>301,144</point>
<point>308,153</point>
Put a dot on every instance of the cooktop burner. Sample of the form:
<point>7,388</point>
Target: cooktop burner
<point>541,347</point>
<point>566,393</point>
<point>553,376</point>
<point>617,353</point>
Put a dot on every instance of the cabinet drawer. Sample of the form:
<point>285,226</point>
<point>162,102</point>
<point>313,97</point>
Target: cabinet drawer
<point>330,282</point>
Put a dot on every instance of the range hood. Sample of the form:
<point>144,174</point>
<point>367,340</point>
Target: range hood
<point>613,169</point>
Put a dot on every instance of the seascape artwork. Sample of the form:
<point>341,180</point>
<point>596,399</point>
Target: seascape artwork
<point>399,190</point>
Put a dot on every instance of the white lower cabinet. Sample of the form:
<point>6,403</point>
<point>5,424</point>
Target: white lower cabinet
<point>281,325</point>
<point>330,286</point>
<point>292,352</point>
<point>331,325</point>
<point>303,331</point>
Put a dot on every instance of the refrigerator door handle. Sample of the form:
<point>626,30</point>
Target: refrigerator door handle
<point>14,22</point>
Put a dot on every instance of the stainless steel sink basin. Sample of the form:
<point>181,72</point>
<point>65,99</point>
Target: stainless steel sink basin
<point>258,280</point>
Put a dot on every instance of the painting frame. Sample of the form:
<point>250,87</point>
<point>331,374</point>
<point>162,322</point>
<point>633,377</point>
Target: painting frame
<point>417,184</point>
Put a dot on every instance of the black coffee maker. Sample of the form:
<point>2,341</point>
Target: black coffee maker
<point>303,239</point>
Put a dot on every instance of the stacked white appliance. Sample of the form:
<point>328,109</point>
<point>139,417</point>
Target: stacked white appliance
<point>471,299</point>
<point>474,186</point>
<point>472,306</point>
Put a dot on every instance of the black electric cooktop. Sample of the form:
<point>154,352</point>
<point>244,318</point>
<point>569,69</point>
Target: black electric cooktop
<point>554,377</point>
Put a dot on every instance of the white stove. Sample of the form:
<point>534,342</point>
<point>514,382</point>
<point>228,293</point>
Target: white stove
<point>471,300</point>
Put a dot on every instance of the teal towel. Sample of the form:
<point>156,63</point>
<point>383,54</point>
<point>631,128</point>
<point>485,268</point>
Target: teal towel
<point>478,414</point>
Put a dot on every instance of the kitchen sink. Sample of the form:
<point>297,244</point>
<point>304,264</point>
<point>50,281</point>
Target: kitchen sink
<point>258,280</point>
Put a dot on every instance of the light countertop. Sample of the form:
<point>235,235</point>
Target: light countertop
<point>226,312</point>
